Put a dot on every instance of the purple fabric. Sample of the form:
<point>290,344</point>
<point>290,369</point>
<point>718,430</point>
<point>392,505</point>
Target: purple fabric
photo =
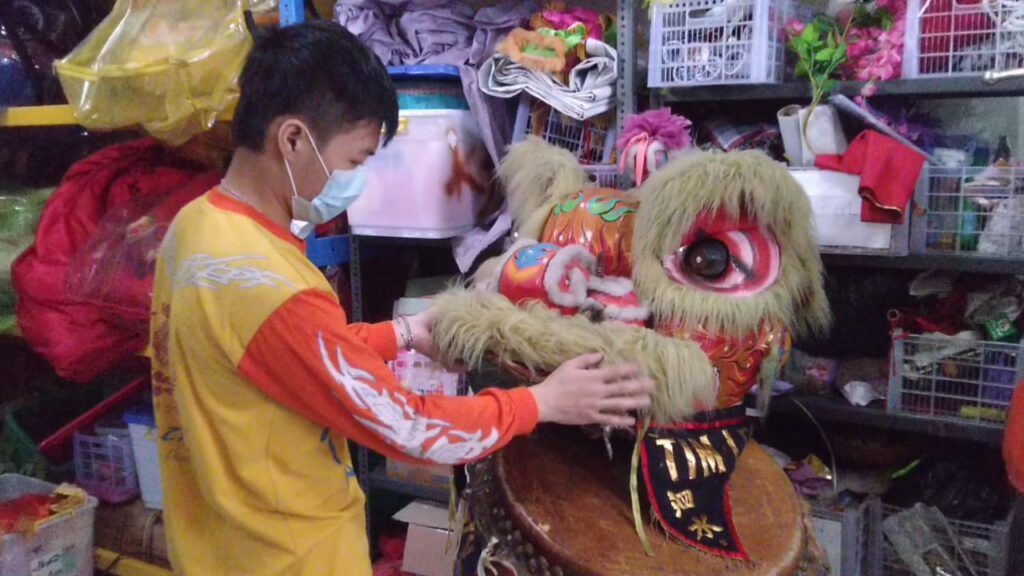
<point>409,32</point>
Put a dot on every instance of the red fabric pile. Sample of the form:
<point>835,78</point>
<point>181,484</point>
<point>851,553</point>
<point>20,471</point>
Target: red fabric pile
<point>22,513</point>
<point>391,550</point>
<point>888,174</point>
<point>84,287</point>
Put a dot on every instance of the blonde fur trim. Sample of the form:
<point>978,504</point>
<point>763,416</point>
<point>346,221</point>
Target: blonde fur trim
<point>537,176</point>
<point>473,326</point>
<point>739,183</point>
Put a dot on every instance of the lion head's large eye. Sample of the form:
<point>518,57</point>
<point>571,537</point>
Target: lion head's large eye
<point>726,256</point>
<point>707,258</point>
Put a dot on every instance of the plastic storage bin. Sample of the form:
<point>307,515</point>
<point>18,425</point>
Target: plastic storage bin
<point>591,141</point>
<point>105,465</point>
<point>142,428</point>
<point>962,37</point>
<point>970,211</point>
<point>702,42</point>
<point>432,180</point>
<point>941,377</point>
<point>61,546</point>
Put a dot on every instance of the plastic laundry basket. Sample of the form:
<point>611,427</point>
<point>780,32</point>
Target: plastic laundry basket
<point>61,546</point>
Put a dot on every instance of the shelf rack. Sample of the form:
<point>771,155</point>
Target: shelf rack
<point>968,87</point>
<point>958,263</point>
<point>837,409</point>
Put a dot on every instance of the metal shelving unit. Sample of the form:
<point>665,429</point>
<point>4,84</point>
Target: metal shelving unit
<point>837,409</point>
<point>961,263</point>
<point>834,407</point>
<point>969,87</point>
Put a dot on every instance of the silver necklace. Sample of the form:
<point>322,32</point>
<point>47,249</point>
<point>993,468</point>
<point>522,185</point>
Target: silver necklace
<point>231,192</point>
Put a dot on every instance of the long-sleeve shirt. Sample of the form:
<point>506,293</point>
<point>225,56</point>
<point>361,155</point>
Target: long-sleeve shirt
<point>257,383</point>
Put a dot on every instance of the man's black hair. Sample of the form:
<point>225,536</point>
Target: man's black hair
<point>318,71</point>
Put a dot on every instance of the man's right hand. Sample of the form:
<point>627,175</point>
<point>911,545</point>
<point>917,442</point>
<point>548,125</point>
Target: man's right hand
<point>583,392</point>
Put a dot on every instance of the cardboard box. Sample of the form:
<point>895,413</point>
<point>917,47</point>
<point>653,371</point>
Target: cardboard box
<point>432,544</point>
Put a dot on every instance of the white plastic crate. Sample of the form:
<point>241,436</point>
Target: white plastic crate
<point>984,548</point>
<point>701,42</point>
<point>945,378</point>
<point>971,211</point>
<point>603,175</point>
<point>962,38</point>
<point>591,141</point>
<point>845,535</point>
<point>61,546</point>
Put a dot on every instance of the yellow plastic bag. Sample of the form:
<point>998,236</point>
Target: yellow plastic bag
<point>171,66</point>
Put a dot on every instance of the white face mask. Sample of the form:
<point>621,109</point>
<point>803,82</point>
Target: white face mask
<point>343,187</point>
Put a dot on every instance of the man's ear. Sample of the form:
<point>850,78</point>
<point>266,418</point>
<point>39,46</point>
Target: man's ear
<point>290,138</point>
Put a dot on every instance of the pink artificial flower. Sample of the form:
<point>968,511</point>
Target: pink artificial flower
<point>867,91</point>
<point>795,27</point>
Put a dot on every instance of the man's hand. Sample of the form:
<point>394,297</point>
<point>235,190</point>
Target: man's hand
<point>422,326</point>
<point>583,392</point>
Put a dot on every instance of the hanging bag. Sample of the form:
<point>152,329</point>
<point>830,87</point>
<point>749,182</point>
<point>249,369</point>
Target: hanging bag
<point>171,67</point>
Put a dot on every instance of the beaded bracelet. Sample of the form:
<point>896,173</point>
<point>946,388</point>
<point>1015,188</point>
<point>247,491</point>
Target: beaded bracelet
<point>406,332</point>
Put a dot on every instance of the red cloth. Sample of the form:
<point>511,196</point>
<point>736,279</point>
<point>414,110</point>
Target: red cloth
<point>1013,443</point>
<point>23,512</point>
<point>888,174</point>
<point>81,338</point>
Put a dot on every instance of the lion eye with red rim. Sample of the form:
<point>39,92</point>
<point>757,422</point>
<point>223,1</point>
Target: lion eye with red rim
<point>734,258</point>
<point>707,258</point>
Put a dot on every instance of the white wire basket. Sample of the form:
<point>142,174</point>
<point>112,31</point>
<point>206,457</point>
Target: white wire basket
<point>701,42</point>
<point>963,37</point>
<point>970,211</point>
<point>945,378</point>
<point>603,175</point>
<point>979,549</point>
<point>591,141</point>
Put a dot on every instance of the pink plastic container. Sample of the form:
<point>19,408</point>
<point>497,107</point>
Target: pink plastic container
<point>431,181</point>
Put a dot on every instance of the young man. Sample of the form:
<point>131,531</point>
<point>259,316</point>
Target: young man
<point>257,379</point>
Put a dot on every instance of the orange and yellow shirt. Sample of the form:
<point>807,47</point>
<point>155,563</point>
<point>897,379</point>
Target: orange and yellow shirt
<point>257,383</point>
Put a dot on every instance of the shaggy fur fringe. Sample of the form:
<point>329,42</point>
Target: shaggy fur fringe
<point>738,183</point>
<point>473,326</point>
<point>536,176</point>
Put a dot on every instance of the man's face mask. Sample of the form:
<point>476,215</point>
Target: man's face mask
<point>343,187</point>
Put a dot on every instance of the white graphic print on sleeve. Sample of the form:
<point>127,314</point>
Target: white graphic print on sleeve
<point>205,271</point>
<point>398,423</point>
